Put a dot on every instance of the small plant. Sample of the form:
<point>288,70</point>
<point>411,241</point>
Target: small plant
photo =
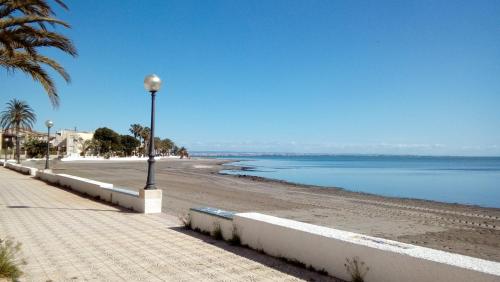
<point>10,263</point>
<point>217,232</point>
<point>235,239</point>
<point>186,221</point>
<point>356,269</point>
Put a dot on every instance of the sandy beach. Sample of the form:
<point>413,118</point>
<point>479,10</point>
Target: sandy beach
<point>468,230</point>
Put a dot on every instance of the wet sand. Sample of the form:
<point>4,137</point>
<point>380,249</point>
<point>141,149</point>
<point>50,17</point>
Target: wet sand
<point>468,230</point>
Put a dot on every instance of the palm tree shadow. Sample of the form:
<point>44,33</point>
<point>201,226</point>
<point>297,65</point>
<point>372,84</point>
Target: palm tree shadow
<point>281,265</point>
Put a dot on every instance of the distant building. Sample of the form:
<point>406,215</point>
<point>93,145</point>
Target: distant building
<point>69,143</point>
<point>24,135</point>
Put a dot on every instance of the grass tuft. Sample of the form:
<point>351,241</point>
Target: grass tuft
<point>235,239</point>
<point>186,221</point>
<point>217,232</point>
<point>356,269</point>
<point>10,263</point>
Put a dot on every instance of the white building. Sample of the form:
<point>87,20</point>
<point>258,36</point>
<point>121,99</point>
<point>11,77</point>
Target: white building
<point>70,142</point>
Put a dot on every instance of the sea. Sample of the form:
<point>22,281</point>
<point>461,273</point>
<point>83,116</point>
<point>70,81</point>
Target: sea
<point>464,180</point>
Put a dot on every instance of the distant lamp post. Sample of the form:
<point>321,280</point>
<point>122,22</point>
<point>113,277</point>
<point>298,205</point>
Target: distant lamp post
<point>152,83</point>
<point>49,124</point>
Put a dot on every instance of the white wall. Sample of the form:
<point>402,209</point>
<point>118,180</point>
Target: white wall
<point>106,192</point>
<point>21,168</point>
<point>208,223</point>
<point>389,261</point>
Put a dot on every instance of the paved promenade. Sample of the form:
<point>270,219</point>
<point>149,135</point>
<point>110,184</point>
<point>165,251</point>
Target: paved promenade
<point>67,237</point>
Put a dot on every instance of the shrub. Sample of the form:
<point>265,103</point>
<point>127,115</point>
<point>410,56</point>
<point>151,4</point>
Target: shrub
<point>356,269</point>
<point>10,263</point>
<point>217,232</point>
<point>186,221</point>
<point>235,239</point>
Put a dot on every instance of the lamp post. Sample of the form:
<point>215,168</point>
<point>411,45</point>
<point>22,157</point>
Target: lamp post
<point>152,83</point>
<point>49,124</point>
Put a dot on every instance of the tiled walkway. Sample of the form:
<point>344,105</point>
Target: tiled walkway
<point>67,237</point>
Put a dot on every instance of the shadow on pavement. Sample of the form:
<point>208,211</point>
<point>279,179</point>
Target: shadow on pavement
<point>259,257</point>
<point>50,208</point>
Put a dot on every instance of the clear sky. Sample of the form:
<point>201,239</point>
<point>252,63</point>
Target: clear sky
<point>409,77</point>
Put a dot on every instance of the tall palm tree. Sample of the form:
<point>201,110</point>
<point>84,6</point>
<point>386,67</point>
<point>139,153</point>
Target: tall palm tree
<point>23,32</point>
<point>18,115</point>
<point>145,132</point>
<point>136,129</point>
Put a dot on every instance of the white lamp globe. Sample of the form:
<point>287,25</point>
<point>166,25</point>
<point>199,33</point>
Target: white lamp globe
<point>152,83</point>
<point>49,123</point>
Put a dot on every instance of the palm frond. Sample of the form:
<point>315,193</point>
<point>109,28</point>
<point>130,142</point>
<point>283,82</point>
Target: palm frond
<point>29,65</point>
<point>9,22</point>
<point>23,34</point>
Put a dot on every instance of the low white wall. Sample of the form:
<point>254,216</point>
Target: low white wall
<point>105,191</point>
<point>82,185</point>
<point>127,199</point>
<point>48,177</point>
<point>327,249</point>
<point>21,168</point>
<point>209,222</point>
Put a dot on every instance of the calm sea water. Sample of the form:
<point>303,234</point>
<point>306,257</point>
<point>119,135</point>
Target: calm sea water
<point>466,180</point>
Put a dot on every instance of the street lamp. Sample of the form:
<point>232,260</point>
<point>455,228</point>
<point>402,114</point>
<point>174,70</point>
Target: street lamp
<point>49,124</point>
<point>152,83</point>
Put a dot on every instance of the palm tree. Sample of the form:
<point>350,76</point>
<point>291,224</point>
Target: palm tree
<point>136,129</point>
<point>166,146</point>
<point>18,115</point>
<point>23,32</point>
<point>145,132</point>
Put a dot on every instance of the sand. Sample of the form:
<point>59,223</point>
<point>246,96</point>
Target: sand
<point>468,230</point>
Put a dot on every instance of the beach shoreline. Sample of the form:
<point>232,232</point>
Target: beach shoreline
<point>463,229</point>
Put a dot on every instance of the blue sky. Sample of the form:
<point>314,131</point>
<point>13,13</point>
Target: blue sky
<point>398,77</point>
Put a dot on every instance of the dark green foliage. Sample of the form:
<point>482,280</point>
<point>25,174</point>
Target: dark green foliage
<point>35,148</point>
<point>129,143</point>
<point>235,239</point>
<point>217,232</point>
<point>108,140</point>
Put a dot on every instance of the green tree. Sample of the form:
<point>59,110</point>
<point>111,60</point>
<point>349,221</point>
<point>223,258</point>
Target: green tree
<point>129,144</point>
<point>18,115</point>
<point>35,148</point>
<point>23,32</point>
<point>166,146</point>
<point>108,139</point>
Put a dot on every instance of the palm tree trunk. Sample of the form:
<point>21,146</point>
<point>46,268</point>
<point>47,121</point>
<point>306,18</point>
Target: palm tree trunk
<point>17,145</point>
